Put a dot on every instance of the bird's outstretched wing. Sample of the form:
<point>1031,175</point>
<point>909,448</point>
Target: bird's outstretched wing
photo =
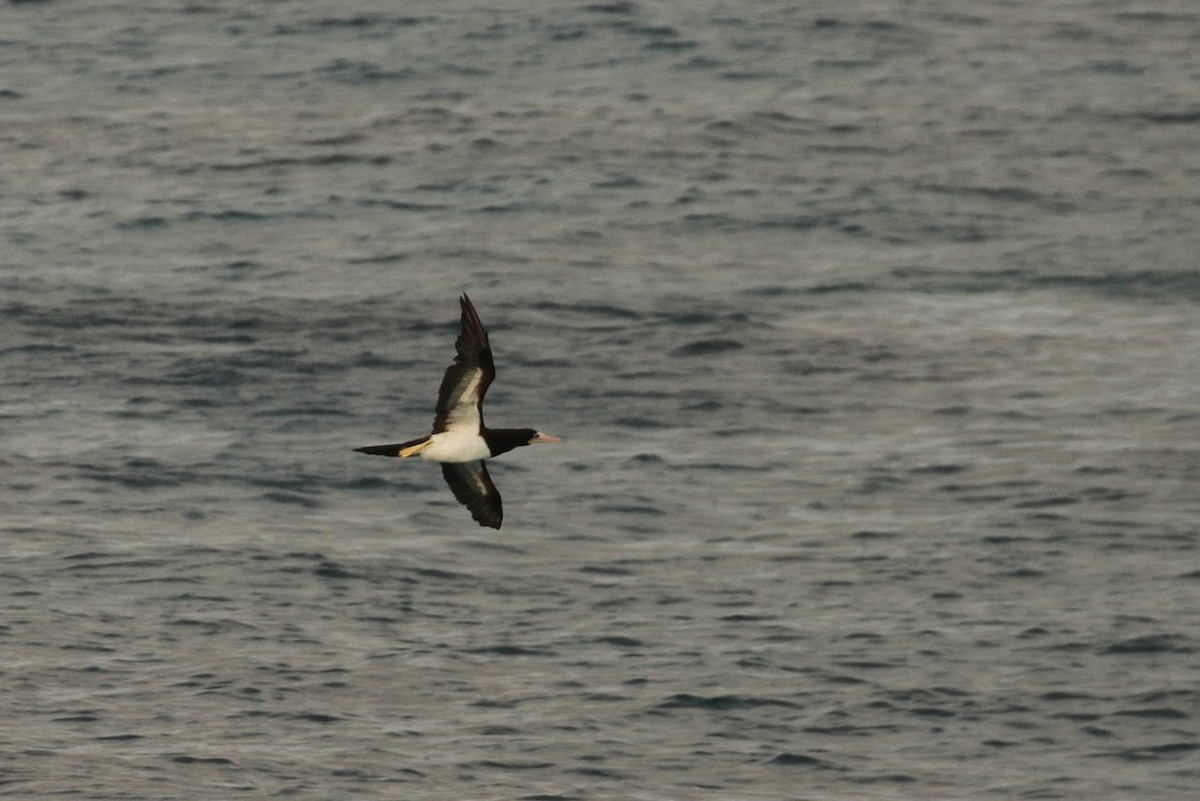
<point>473,488</point>
<point>460,398</point>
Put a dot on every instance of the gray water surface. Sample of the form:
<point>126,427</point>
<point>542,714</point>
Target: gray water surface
<point>874,329</point>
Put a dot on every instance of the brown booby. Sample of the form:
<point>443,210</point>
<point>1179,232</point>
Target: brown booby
<point>460,441</point>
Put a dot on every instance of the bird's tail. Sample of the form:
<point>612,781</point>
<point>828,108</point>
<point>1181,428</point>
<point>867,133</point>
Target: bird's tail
<point>390,450</point>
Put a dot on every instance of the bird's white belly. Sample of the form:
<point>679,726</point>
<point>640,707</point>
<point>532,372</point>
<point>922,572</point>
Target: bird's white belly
<point>455,446</point>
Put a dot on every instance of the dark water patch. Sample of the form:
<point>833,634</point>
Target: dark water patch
<point>1097,731</point>
<point>371,359</point>
<point>932,712</point>
<point>191,596</point>
<point>308,556</point>
<point>376,483</point>
<point>303,411</point>
<point>747,75</point>
<point>225,216</point>
<point>707,405</point>
<point>1108,494</point>
<point>630,509</point>
<point>281,162</point>
<point>875,535</point>
<point>1122,284</point>
<point>442,575</point>
<point>622,7</point>
<point>1189,117</point>
<point>772,291</point>
<point>619,182</point>
<point>1017,194</point>
<point>1154,752</point>
<point>1115,67</point>
<point>205,373</point>
<point>650,31</point>
<point>707,347</point>
<point>203,627</point>
<point>228,215</point>
<point>790,759</point>
<point>396,205</point>
<point>292,499</point>
<point>111,562</point>
<point>720,703</point>
<point>381,258</point>
<point>620,641</point>
<point>744,618</point>
<point>492,546</point>
<point>1001,744</point>
<point>511,765</point>
<point>1060,695</point>
<point>705,318</point>
<point>139,474</point>
<point>982,494</point>
<point>187,759</point>
<point>595,309</point>
<point>78,717</point>
<point>568,33</point>
<point>495,703</point>
<point>511,650</point>
<point>607,570</point>
<point>1181,697</point>
<point>868,664</point>
<point>883,778</point>
<point>880,483</point>
<point>293,483</point>
<point>839,287</point>
<point>40,348</point>
<point>361,21</point>
<point>641,422</point>
<point>374,24</point>
<point>939,469</point>
<point>1021,573</point>
<point>143,223</point>
<point>849,730</point>
<point>363,72</point>
<point>597,773</point>
<point>672,44</point>
<point>1150,644</point>
<point>722,467</point>
<point>1160,713</point>
<point>1039,503</point>
<point>727,222</point>
<point>1005,539</point>
<point>332,570</point>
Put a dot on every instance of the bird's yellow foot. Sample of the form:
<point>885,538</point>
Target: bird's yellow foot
<point>413,450</point>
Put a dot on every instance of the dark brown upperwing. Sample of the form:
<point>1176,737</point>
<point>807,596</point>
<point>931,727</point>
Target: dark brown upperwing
<point>473,487</point>
<point>460,397</point>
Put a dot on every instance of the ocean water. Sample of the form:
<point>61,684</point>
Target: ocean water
<point>874,329</point>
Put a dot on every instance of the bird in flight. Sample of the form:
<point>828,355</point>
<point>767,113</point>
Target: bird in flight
<point>460,441</point>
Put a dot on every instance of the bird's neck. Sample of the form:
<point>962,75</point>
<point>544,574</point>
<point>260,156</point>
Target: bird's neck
<point>503,440</point>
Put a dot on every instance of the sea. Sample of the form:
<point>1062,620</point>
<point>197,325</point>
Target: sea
<point>873,328</point>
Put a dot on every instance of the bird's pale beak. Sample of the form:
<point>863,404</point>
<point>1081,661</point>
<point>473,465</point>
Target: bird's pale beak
<point>547,438</point>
